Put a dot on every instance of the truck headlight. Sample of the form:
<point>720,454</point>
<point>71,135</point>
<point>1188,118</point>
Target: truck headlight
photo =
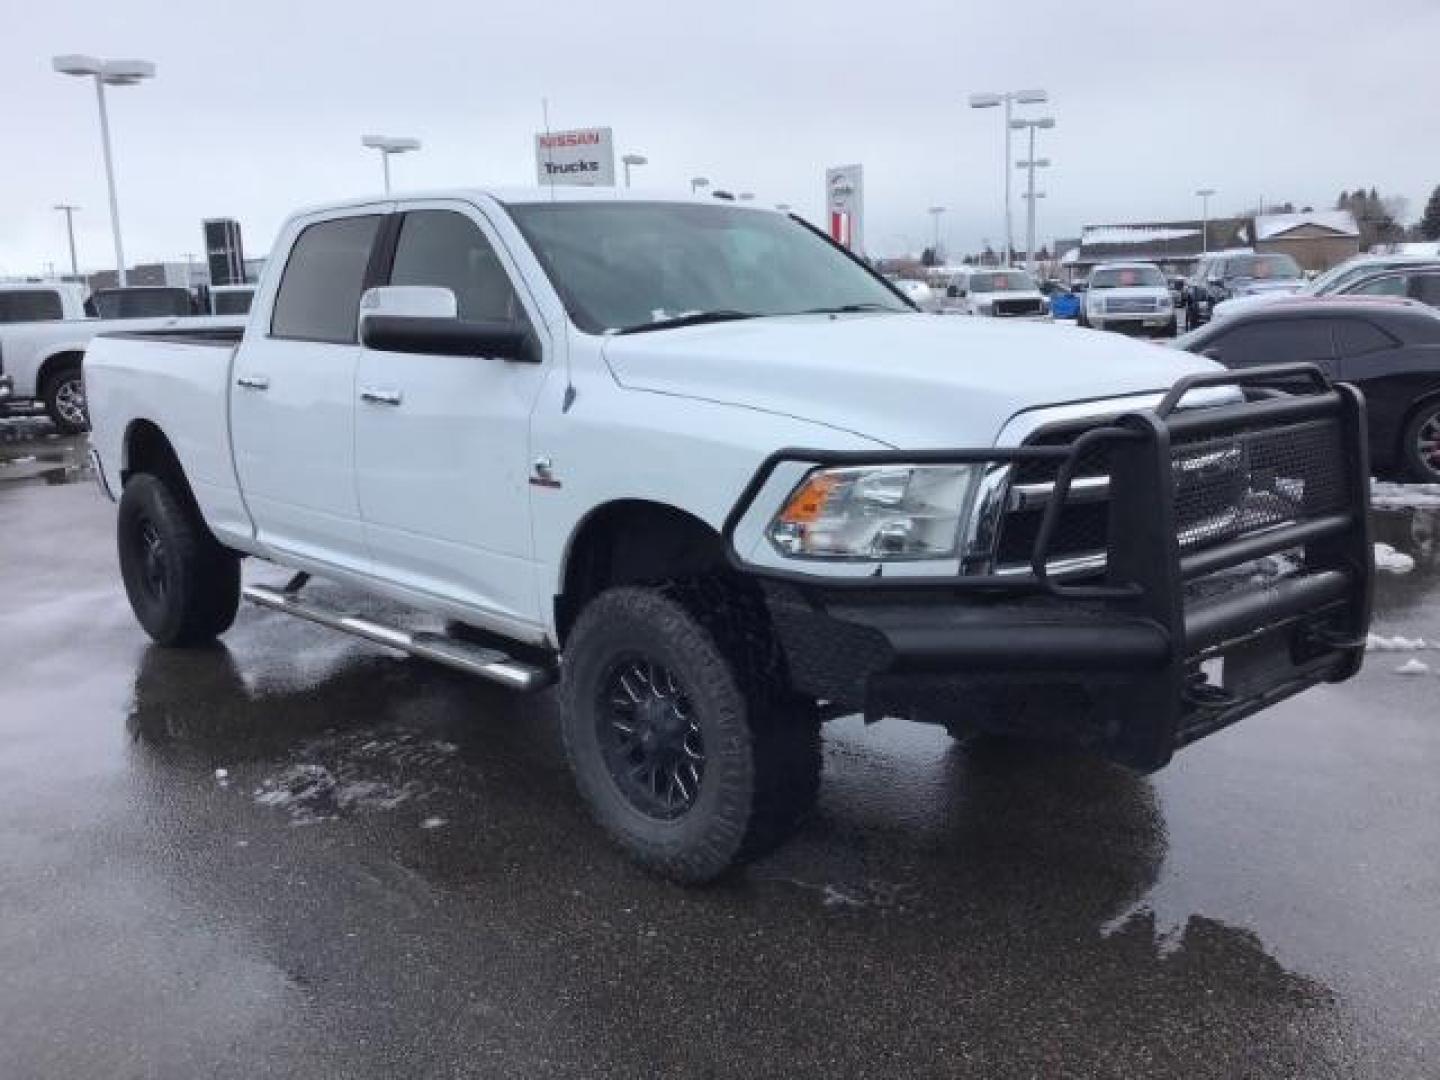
<point>874,512</point>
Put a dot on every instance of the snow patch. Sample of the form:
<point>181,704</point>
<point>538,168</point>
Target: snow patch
<point>1390,561</point>
<point>432,823</point>
<point>1385,495</point>
<point>1413,667</point>
<point>1398,643</point>
<point>1132,234</point>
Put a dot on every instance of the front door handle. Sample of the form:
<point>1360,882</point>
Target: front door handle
<point>377,396</point>
<point>253,382</point>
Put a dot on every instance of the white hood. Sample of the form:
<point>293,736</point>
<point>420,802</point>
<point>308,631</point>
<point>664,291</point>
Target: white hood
<point>911,381</point>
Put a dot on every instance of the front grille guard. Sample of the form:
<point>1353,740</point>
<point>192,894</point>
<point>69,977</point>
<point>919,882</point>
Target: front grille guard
<point>1325,609</point>
<point>1143,534</point>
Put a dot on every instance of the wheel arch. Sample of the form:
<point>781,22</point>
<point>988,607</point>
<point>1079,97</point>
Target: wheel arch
<point>660,541</point>
<point>147,449</point>
<point>57,361</point>
<point>1424,401</point>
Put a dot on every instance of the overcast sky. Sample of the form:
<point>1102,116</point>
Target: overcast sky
<point>259,107</point>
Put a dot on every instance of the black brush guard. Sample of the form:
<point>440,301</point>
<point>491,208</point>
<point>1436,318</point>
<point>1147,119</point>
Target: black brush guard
<point>1120,657</point>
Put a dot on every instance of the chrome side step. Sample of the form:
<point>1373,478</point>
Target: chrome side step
<point>473,659</point>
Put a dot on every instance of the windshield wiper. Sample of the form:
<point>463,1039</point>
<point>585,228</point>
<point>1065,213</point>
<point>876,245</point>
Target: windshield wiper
<point>846,309</point>
<point>689,318</point>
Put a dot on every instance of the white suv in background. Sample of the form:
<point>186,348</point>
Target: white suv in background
<point>1129,296</point>
<point>1000,293</point>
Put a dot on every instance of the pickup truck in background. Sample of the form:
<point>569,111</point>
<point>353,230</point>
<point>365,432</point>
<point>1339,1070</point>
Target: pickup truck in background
<point>740,485</point>
<point>41,301</point>
<point>40,358</point>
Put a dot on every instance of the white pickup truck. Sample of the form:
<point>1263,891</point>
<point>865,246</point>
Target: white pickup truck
<point>703,467</point>
<point>40,356</point>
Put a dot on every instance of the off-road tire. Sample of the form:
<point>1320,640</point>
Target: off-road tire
<point>183,586</point>
<point>1416,467</point>
<point>57,396</point>
<point>762,746</point>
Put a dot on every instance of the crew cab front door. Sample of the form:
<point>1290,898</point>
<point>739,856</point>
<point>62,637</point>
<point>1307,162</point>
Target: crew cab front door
<point>292,412</point>
<point>442,442</point>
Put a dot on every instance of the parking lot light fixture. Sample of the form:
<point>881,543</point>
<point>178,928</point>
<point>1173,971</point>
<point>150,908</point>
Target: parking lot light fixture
<point>746,196</point>
<point>387,145</point>
<point>1204,194</point>
<point>935,212</point>
<point>68,209</point>
<point>698,182</point>
<point>1030,164</point>
<point>107,73</point>
<point>990,100</point>
<point>633,159</point>
<point>783,207</point>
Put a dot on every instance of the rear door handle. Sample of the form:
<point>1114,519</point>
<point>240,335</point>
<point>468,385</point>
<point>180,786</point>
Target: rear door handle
<point>253,382</point>
<point>380,397</point>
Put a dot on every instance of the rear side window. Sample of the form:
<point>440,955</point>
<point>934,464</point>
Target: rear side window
<point>1357,337</point>
<point>29,305</point>
<point>1426,289</point>
<point>233,303</point>
<point>1287,341</point>
<point>441,247</point>
<point>319,296</point>
<point>1391,285</point>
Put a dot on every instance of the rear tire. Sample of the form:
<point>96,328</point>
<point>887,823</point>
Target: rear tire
<point>183,586</point>
<point>682,740</point>
<point>1420,445</point>
<point>64,399</point>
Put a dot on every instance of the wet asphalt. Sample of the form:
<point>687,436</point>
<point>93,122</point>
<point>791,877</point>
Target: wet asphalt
<point>298,855</point>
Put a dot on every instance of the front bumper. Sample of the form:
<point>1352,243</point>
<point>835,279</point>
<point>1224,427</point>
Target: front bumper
<point>1143,655</point>
<point>1134,322</point>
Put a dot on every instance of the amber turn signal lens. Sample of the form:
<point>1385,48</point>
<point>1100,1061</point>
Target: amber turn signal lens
<point>808,502</point>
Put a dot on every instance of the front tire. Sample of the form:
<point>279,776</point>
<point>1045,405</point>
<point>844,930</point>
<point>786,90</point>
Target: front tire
<point>64,400</point>
<point>680,736</point>
<point>1421,444</point>
<point>183,586</point>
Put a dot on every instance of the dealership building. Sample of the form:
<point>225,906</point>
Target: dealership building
<point>1317,240</point>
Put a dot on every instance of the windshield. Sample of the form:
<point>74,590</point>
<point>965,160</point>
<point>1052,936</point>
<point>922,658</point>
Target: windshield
<point>141,303</point>
<point>1264,267</point>
<point>1002,281</point>
<point>1124,277</point>
<point>627,265</point>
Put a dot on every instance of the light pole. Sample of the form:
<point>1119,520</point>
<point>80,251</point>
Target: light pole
<point>68,209</point>
<point>698,182</point>
<point>387,145</point>
<point>107,73</point>
<point>1008,99</point>
<point>1030,164</point>
<point>633,159</point>
<point>1204,193</point>
<point>935,212</point>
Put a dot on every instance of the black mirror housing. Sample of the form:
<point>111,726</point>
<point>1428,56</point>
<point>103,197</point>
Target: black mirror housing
<point>448,337</point>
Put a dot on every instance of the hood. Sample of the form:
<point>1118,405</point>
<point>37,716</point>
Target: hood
<point>911,381</point>
<point>1260,286</point>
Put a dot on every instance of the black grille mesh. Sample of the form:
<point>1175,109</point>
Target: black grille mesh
<point>1225,487</point>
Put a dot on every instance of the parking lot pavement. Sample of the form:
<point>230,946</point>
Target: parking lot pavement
<point>298,855</point>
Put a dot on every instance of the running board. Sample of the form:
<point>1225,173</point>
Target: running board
<point>473,659</point>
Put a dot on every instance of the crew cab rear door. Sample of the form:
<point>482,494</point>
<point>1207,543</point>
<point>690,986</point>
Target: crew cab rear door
<point>442,442</point>
<point>292,413</point>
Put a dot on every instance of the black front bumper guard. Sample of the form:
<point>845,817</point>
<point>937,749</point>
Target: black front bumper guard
<point>1117,657</point>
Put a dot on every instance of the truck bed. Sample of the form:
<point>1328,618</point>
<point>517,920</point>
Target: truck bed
<point>178,379</point>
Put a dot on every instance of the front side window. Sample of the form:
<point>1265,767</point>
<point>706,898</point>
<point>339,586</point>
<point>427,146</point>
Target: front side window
<point>1426,289</point>
<point>1390,285</point>
<point>30,305</point>
<point>443,248</point>
<point>626,265</point>
<point>319,296</point>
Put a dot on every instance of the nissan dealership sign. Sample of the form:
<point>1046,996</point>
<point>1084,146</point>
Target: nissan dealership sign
<point>845,198</point>
<point>585,156</point>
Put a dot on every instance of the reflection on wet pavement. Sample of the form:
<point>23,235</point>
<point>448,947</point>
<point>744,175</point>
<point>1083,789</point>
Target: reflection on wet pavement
<point>297,854</point>
<point>30,450</point>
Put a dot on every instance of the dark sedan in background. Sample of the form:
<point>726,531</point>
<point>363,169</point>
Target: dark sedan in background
<point>1390,349</point>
